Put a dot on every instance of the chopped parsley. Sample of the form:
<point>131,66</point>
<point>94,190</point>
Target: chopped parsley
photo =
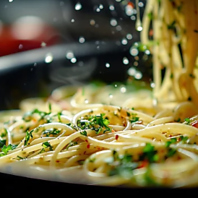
<point>50,107</point>
<point>4,133</point>
<point>59,116</point>
<point>5,149</point>
<point>2,143</point>
<point>183,138</point>
<point>124,165</point>
<point>72,143</point>
<point>98,123</point>
<point>27,117</point>
<point>28,137</point>
<point>140,46</point>
<point>19,157</point>
<point>170,151</point>
<point>47,145</point>
<point>171,26</point>
<point>174,140</point>
<point>148,178</point>
<point>83,133</point>
<point>178,120</point>
<point>51,132</point>
<point>92,160</point>
<point>150,15</point>
<point>149,153</point>
<point>192,75</point>
<point>133,117</point>
<point>171,141</point>
<point>187,121</point>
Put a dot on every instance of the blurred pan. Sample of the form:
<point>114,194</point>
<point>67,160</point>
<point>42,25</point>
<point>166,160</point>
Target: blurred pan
<point>37,72</point>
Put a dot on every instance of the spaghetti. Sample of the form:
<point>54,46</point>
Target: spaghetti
<point>142,139</point>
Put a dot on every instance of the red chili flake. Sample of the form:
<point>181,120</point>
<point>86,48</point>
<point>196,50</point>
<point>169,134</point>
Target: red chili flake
<point>151,32</point>
<point>178,158</point>
<point>173,4</point>
<point>116,137</point>
<point>86,140</point>
<point>124,124</point>
<point>88,146</point>
<point>57,161</point>
<point>143,164</point>
<point>98,148</point>
<point>195,123</point>
<point>131,4</point>
<point>162,151</point>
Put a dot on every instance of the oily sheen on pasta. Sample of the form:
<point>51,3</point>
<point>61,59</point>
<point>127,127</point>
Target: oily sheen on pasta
<point>139,138</point>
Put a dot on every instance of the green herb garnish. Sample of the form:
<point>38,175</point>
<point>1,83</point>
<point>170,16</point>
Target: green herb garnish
<point>5,149</point>
<point>28,137</point>
<point>47,145</point>
<point>98,123</point>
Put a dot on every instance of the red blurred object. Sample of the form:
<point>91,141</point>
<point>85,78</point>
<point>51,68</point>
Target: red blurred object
<point>25,34</point>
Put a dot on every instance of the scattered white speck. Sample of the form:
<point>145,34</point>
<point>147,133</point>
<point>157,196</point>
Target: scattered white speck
<point>48,58</point>
<point>107,65</point>
<point>138,75</point>
<point>86,101</point>
<point>123,89</point>
<point>78,6</point>
<point>131,71</point>
<point>125,60</point>
<point>69,55</point>
<point>101,6</point>
<point>141,4</point>
<point>92,22</point>
<point>111,7</point>
<point>20,46</point>
<point>81,39</point>
<point>133,18</point>
<point>110,96</point>
<point>152,84</point>
<point>129,36</point>
<point>147,52</point>
<point>124,41</point>
<point>129,10</point>
<point>139,28</point>
<point>134,51</point>
<point>43,44</point>
<point>97,9</point>
<point>73,60</point>
<point>113,22</point>
<point>118,28</point>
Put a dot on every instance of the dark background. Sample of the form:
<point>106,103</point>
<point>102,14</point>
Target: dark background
<point>53,27</point>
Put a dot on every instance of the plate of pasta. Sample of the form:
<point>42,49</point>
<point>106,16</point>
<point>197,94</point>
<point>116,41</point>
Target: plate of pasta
<point>133,134</point>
